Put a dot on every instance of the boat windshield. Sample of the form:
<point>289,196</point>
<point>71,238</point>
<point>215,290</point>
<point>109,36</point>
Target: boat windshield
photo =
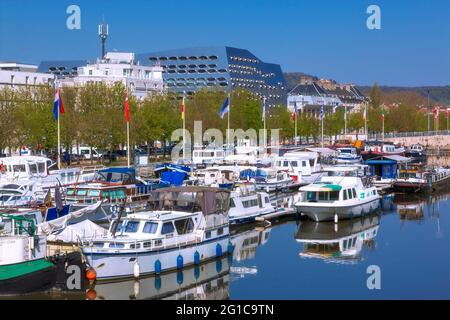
<point>208,202</point>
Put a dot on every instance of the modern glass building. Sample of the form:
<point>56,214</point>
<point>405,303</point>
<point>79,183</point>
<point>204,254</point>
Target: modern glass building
<point>191,69</point>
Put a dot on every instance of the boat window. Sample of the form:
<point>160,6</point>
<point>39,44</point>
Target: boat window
<point>41,167</point>
<point>219,231</point>
<point>33,168</point>
<point>304,164</point>
<point>294,164</point>
<point>285,163</point>
<point>311,162</point>
<point>131,226</point>
<point>150,227</point>
<point>345,195</point>
<point>70,192</point>
<point>232,205</point>
<point>349,194</point>
<point>323,196</point>
<point>267,200</point>
<point>137,246</point>
<point>81,192</point>
<point>113,194</point>
<point>311,196</point>
<point>250,203</point>
<point>121,194</point>
<point>208,234</point>
<point>93,193</point>
<point>184,226</point>
<point>354,193</point>
<point>167,228</point>
<point>345,244</point>
<point>278,163</point>
<point>19,168</point>
<point>334,195</point>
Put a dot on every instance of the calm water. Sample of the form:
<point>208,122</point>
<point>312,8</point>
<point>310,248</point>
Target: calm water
<point>408,240</point>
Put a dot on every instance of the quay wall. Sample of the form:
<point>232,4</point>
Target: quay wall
<point>440,142</point>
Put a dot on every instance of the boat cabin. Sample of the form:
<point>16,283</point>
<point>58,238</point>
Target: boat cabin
<point>24,167</point>
<point>174,215</point>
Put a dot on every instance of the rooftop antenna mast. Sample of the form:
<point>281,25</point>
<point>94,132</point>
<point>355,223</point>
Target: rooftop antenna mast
<point>103,32</point>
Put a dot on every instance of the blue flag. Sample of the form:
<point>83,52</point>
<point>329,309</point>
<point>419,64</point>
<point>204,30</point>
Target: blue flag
<point>225,108</point>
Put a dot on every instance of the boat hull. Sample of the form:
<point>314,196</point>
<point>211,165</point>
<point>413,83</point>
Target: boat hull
<point>34,276</point>
<point>417,187</point>
<point>343,212</point>
<point>113,266</point>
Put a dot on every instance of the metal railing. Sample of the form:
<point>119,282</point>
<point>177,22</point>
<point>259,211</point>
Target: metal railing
<point>410,134</point>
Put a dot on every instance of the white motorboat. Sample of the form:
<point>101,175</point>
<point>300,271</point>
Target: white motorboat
<point>302,166</point>
<point>343,193</point>
<point>208,156</point>
<point>184,226</point>
<point>246,204</point>
<point>347,155</point>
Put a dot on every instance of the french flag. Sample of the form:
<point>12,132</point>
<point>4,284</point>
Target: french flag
<point>58,107</point>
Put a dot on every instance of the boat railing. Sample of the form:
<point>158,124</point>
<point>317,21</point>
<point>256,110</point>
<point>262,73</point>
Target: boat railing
<point>159,243</point>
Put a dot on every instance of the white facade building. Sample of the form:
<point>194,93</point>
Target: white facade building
<point>15,75</point>
<point>121,66</point>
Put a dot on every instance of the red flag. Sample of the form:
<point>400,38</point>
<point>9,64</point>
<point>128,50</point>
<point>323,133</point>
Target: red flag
<point>127,107</point>
<point>293,115</point>
<point>436,112</point>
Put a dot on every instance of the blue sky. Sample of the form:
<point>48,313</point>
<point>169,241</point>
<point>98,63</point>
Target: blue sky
<point>325,38</point>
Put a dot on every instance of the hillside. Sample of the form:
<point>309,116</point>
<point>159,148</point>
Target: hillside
<point>411,95</point>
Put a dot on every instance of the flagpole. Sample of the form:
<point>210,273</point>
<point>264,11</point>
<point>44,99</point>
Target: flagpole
<point>229,111</point>
<point>345,122</point>
<point>264,122</point>
<point>128,140</point>
<point>59,133</point>
<point>365,121</point>
<point>322,127</point>
<point>184,127</point>
<point>295,133</point>
<point>382,137</point>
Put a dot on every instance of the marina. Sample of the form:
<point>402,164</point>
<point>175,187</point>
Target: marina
<point>160,156</point>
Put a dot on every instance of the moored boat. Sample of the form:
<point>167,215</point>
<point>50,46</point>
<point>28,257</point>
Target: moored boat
<point>246,204</point>
<point>341,194</point>
<point>417,180</point>
<point>184,226</point>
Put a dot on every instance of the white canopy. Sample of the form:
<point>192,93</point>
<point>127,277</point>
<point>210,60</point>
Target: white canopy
<point>82,230</point>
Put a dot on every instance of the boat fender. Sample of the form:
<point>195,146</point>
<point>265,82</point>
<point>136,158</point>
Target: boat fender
<point>196,258</point>
<point>136,288</point>
<point>157,282</point>
<point>180,262</point>
<point>180,277</point>
<point>218,250</point>
<point>136,269</point>
<point>157,266</point>
<point>91,294</point>
<point>219,266</point>
<point>230,248</point>
<point>91,274</point>
<point>196,272</point>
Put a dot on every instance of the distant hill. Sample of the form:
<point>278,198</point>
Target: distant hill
<point>438,94</point>
<point>413,95</point>
<point>293,78</point>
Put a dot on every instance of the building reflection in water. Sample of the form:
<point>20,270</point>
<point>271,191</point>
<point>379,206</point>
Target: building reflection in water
<point>338,243</point>
<point>208,281</point>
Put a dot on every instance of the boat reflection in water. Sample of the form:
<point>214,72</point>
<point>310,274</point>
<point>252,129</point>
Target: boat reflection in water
<point>415,207</point>
<point>208,281</point>
<point>338,243</point>
<point>245,241</point>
